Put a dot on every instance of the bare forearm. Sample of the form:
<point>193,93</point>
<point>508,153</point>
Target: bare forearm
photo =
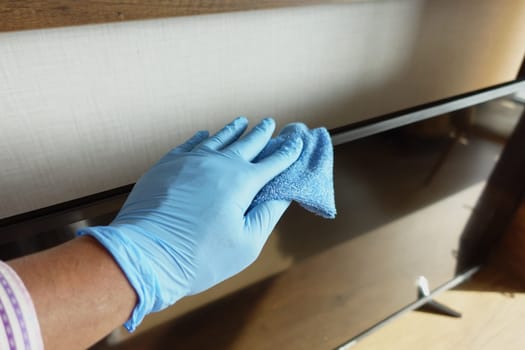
<point>79,292</point>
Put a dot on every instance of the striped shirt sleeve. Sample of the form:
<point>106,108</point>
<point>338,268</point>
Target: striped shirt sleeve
<point>19,328</point>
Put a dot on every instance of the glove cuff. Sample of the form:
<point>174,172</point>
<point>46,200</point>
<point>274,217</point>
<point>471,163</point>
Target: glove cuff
<point>133,264</point>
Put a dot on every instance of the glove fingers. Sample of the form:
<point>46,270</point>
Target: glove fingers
<point>191,142</point>
<point>224,137</point>
<point>280,160</point>
<point>253,143</point>
<point>261,220</point>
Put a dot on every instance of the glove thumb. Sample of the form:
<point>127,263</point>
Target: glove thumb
<point>261,219</point>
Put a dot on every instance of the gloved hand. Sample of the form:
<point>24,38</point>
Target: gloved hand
<point>186,225</point>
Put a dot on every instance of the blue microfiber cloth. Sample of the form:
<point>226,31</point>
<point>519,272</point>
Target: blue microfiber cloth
<point>309,181</point>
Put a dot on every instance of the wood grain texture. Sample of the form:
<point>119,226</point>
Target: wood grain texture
<point>34,14</point>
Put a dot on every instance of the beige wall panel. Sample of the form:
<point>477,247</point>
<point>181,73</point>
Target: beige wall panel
<point>89,108</point>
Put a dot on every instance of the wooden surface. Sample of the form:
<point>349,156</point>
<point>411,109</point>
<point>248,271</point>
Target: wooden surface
<point>33,14</point>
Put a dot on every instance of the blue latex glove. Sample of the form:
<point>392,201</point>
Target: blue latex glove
<point>186,225</point>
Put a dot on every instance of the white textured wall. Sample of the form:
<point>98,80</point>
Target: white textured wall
<point>86,109</point>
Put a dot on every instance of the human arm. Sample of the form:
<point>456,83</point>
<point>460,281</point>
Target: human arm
<point>79,293</point>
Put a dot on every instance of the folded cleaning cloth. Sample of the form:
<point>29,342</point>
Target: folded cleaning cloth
<point>309,181</point>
